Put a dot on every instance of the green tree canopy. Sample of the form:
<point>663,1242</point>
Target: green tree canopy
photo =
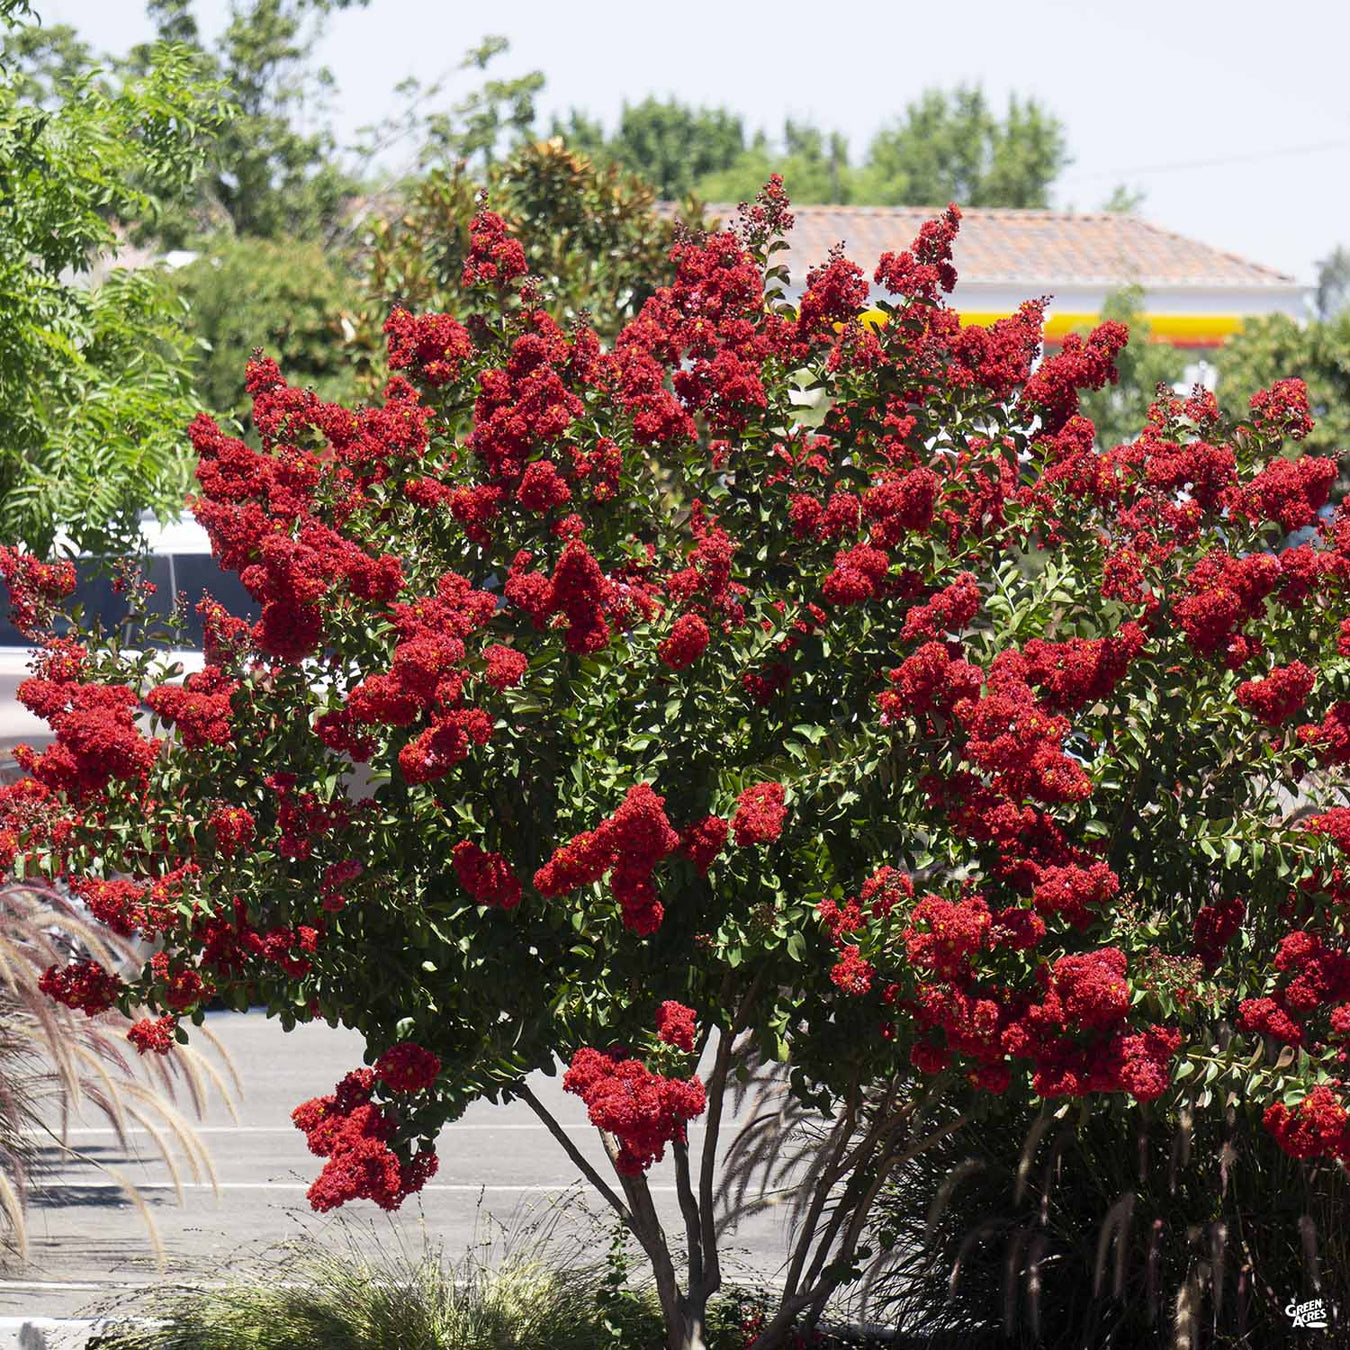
<point>671,144</point>
<point>295,298</point>
<point>947,146</point>
<point>273,170</point>
<point>94,387</point>
<point>950,146</point>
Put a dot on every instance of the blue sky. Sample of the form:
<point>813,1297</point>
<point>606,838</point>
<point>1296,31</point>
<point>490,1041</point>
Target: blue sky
<point>1231,116</point>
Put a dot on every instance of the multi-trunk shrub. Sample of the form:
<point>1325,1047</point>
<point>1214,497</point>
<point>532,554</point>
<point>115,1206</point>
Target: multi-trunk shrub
<point>599,709</point>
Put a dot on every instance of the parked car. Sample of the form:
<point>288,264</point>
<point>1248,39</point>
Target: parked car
<point>178,559</point>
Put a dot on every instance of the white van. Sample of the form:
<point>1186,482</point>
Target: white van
<point>178,558</point>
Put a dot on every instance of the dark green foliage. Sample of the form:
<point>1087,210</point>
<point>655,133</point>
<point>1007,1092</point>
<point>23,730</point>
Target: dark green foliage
<point>670,144</point>
<point>947,146</point>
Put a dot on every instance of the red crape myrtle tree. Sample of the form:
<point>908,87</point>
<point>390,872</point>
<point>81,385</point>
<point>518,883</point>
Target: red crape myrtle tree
<point>600,710</point>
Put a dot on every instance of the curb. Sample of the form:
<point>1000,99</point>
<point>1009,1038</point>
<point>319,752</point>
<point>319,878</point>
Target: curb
<point>55,1333</point>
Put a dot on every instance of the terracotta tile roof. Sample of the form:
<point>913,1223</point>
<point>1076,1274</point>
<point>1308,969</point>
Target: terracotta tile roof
<point>1028,248</point>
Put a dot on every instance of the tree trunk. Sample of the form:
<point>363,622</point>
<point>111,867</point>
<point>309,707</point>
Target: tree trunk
<point>687,1329</point>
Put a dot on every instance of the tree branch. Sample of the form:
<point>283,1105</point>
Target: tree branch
<point>693,1229</point>
<point>829,1174</point>
<point>717,1084</point>
<point>578,1158</point>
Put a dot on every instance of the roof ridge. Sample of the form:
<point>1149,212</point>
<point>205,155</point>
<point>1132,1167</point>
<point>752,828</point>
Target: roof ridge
<point>1002,243</point>
<point>1214,248</point>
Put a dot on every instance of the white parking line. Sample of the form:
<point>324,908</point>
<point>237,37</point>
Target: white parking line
<point>275,1129</point>
<point>458,1187</point>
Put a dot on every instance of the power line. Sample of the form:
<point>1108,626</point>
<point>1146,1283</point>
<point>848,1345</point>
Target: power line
<point>1181,165</point>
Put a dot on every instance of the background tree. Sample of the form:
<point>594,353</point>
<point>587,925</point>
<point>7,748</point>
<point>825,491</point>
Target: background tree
<point>950,146</point>
<point>815,166</point>
<point>266,175</point>
<point>670,144</point>
<point>588,232</point>
<point>1333,284</point>
<point>295,298</point>
<point>94,381</point>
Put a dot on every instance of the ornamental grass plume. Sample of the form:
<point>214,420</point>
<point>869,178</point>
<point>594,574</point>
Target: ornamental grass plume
<point>1010,771</point>
<point>58,1069</point>
<point>1111,1230</point>
<point>348,1289</point>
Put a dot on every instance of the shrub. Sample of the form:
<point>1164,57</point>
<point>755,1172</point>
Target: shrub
<point>935,753</point>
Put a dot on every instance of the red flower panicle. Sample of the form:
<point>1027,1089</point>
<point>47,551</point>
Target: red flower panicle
<point>760,815</point>
<point>407,1067</point>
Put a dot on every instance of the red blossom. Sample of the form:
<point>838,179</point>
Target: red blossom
<point>643,1110</point>
<point>760,815</point>
<point>687,641</point>
<point>676,1026</point>
<point>487,877</point>
<point>407,1067</point>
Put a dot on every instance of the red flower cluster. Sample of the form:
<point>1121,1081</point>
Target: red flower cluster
<point>943,936</point>
<point>487,877</point>
<point>686,642</point>
<point>1282,410</point>
<point>947,611</point>
<point>35,587</point>
<point>1080,671</point>
<point>1290,492</point>
<point>1317,1127</point>
<point>931,681</point>
<point>676,1026</point>
<point>234,828</point>
<point>494,257</point>
<point>1075,891</point>
<point>704,840</point>
<point>153,1035</point>
<point>1278,696</point>
<point>199,707</point>
<point>432,346</point>
<point>578,592</point>
<point>97,739</point>
<point>641,1109</point>
<point>1012,738</point>
<point>407,1067</point>
<point>506,666</point>
<point>353,1134</point>
<point>628,846</point>
<point>1224,593</point>
<point>1081,363</point>
<point>149,908</point>
<point>1215,927</point>
<point>922,272</point>
<point>760,815</point>
<point>83,985</point>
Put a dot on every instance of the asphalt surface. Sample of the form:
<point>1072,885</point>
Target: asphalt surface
<point>500,1173</point>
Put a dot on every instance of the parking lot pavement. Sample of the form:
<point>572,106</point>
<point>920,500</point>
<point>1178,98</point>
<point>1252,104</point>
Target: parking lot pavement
<point>498,1167</point>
